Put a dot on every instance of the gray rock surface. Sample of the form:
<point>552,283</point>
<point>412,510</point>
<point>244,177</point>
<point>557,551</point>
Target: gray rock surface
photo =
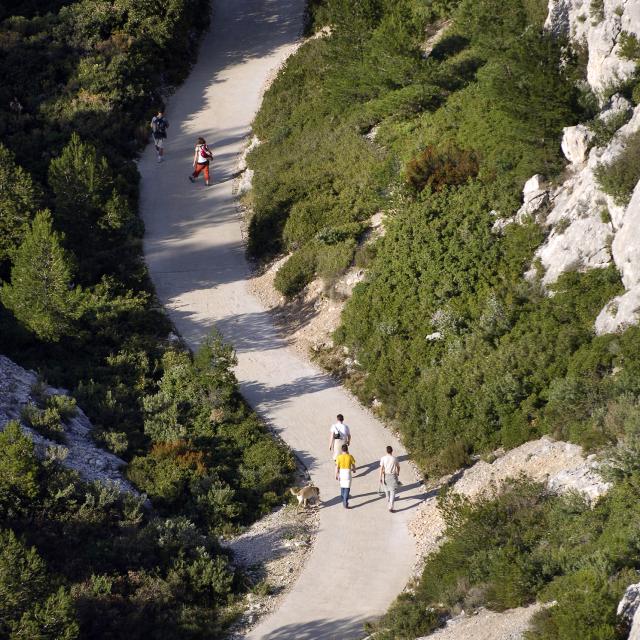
<point>575,143</point>
<point>600,30</point>
<point>588,230</point>
<point>488,625</point>
<point>79,452</point>
<point>629,610</point>
<point>584,221</point>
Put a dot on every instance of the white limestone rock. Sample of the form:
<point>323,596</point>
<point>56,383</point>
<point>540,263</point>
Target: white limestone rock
<point>616,105</point>
<point>533,186</point>
<point>575,143</point>
<point>243,173</point>
<point>621,312</point>
<point>629,610</point>
<point>585,222</point>
<point>600,31</point>
<point>80,452</point>
<point>624,311</point>
<point>626,244</point>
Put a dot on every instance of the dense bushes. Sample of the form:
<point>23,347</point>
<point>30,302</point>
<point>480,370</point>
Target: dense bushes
<point>620,176</point>
<point>523,545</point>
<point>83,560</point>
<point>80,82</point>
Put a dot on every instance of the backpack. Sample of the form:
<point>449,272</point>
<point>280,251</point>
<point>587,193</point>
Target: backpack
<point>159,127</point>
<point>205,152</point>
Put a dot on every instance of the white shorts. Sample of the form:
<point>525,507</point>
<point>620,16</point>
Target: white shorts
<point>159,142</point>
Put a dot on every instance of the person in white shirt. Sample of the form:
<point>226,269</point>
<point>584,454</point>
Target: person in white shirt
<point>339,434</point>
<point>389,472</point>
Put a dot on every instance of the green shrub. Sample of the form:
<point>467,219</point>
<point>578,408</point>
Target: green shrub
<point>629,46</point>
<point>522,545</point>
<point>605,128</point>
<point>335,259</point>
<point>40,294</point>
<point>620,176</point>
<point>297,272</point>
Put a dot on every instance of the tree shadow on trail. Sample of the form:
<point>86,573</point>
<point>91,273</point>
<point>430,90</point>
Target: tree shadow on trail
<point>341,629</point>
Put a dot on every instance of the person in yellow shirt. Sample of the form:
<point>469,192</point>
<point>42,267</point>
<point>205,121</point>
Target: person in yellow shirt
<point>345,468</point>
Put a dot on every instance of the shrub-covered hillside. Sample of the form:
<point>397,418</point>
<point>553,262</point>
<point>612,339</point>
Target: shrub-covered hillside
<point>463,352</point>
<point>80,81</point>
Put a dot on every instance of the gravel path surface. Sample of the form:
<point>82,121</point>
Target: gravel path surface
<point>195,252</point>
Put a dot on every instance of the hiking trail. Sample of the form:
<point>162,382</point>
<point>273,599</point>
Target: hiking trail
<point>194,249</point>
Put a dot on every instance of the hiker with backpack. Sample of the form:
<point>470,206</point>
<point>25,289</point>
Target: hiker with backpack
<point>159,126</point>
<point>201,158</point>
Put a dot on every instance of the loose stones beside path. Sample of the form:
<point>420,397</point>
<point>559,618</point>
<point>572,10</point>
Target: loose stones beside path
<point>272,552</point>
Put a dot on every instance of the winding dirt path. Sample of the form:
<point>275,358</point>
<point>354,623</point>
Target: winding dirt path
<point>194,249</point>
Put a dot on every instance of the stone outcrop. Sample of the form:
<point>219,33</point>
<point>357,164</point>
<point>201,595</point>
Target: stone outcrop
<point>587,229</point>
<point>629,611</point>
<point>79,451</point>
<point>624,310</point>
<point>575,143</point>
<point>598,25</point>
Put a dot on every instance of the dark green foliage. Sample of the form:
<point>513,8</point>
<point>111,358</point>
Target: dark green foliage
<point>524,545</point>
<point>296,273</point>
<point>129,573</point>
<point>629,46</point>
<point>211,458</point>
<point>40,294</point>
<point>19,200</point>
<point>620,176</point>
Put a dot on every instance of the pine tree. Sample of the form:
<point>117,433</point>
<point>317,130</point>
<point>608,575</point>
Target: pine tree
<point>40,294</point>
<point>19,200</point>
<point>82,185</point>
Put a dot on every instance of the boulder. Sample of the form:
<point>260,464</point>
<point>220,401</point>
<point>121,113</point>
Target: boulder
<point>533,186</point>
<point>628,610</point>
<point>575,143</point>
<point>621,312</point>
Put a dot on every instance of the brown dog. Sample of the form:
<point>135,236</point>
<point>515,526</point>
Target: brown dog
<point>305,494</point>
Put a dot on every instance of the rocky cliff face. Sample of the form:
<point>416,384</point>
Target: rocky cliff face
<point>598,24</point>
<point>587,229</point>
<point>78,452</point>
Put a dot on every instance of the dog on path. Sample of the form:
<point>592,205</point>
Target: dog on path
<point>305,494</point>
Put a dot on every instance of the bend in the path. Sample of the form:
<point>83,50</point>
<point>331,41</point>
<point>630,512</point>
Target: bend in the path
<point>195,253</point>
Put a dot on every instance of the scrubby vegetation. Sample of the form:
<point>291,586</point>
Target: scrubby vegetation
<point>463,353</point>
<point>620,176</point>
<point>81,80</point>
<point>527,545</point>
